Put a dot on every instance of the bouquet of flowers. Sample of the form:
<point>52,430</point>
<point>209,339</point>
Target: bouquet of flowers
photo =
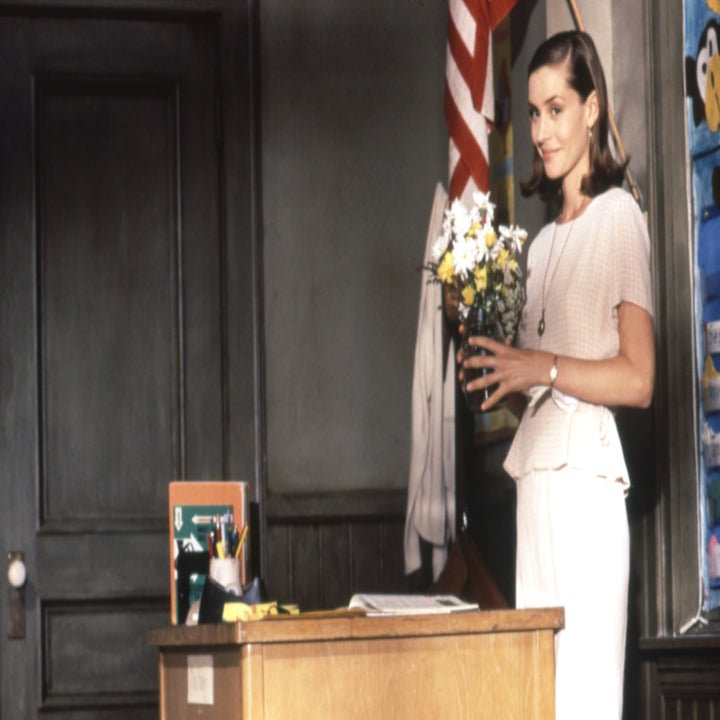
<point>480,265</point>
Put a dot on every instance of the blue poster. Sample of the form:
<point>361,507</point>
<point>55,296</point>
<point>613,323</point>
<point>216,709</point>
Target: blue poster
<point>702,81</point>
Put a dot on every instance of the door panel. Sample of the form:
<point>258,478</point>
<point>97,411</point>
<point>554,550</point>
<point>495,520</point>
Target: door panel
<point>110,340</point>
<point>109,354</point>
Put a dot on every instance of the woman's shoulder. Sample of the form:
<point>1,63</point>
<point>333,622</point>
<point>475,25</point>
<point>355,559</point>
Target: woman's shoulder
<point>618,200</point>
<point>619,220</point>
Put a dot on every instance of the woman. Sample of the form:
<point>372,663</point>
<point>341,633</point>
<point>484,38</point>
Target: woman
<point>585,344</point>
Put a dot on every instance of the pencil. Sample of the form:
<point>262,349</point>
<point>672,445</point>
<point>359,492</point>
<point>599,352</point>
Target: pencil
<point>241,542</point>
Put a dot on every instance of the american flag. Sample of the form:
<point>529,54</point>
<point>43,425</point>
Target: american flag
<point>469,92</point>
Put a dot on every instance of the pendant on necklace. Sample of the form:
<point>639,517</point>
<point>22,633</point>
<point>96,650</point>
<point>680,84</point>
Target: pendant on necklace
<point>541,324</point>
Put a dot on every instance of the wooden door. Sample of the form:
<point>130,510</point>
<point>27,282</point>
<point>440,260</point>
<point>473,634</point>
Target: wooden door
<point>111,339</point>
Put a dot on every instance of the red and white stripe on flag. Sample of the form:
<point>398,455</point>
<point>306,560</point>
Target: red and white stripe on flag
<point>469,92</point>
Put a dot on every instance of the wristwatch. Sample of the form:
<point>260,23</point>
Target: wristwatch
<point>553,371</point>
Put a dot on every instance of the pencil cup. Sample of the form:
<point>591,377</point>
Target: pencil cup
<point>226,572</point>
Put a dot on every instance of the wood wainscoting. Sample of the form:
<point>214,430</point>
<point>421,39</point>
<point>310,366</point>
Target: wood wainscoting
<point>682,677</point>
<point>321,548</point>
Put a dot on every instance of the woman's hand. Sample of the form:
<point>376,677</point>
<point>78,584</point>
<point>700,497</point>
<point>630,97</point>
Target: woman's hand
<point>512,370</point>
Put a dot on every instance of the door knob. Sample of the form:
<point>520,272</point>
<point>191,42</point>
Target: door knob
<point>17,578</point>
<point>17,572</point>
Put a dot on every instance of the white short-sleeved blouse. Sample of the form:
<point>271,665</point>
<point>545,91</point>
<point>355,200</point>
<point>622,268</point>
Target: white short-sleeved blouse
<point>605,260</point>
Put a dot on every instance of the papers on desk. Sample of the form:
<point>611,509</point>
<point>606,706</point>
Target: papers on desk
<point>379,604</point>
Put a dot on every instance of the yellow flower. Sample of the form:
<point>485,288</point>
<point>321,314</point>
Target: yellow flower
<point>445,269</point>
<point>490,237</point>
<point>468,295</point>
<point>480,275</point>
<point>503,257</point>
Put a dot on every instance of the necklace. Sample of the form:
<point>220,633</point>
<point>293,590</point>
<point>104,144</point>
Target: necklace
<point>541,324</point>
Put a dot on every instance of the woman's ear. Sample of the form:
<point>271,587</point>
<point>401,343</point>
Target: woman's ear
<point>592,107</point>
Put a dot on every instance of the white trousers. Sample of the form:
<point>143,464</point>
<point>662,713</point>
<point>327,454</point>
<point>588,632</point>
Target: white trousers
<point>573,551</point>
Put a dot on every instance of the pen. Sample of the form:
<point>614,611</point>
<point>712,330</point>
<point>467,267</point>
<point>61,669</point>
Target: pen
<point>223,539</point>
<point>233,543</point>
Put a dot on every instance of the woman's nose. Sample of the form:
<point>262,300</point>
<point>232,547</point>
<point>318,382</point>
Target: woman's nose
<point>541,130</point>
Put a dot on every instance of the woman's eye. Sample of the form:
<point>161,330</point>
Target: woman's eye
<point>555,110</point>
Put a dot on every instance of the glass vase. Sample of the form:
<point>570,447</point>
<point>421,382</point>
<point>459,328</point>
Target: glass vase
<point>479,321</point>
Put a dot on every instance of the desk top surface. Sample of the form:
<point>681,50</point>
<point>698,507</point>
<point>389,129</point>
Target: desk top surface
<point>350,625</point>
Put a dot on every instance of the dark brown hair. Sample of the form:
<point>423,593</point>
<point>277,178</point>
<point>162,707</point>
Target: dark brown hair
<point>577,51</point>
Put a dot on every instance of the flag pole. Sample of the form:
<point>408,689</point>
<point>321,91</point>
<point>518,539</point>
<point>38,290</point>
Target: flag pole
<point>613,125</point>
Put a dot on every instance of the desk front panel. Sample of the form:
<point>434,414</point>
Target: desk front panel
<point>498,676</point>
<point>494,676</point>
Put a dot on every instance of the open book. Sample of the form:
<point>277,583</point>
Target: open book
<point>379,604</point>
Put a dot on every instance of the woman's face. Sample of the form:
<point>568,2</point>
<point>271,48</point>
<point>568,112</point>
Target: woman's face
<point>559,124</point>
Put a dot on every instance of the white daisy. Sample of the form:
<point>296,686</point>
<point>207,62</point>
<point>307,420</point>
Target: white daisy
<point>465,253</point>
<point>439,247</point>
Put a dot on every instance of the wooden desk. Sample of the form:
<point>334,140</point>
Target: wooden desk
<point>496,664</point>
